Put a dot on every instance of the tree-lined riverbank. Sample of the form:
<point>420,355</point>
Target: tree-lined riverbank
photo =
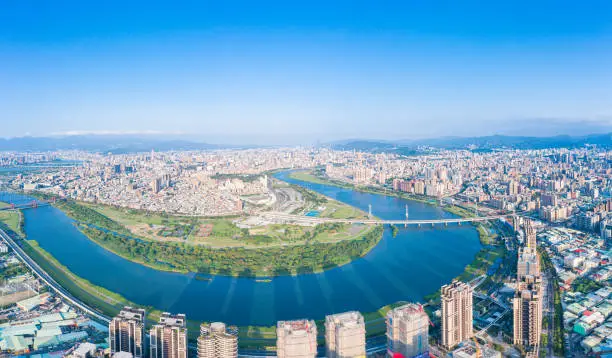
<point>267,262</point>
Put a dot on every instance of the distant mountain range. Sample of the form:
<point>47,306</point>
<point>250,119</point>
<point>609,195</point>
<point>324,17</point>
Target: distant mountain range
<point>408,147</point>
<point>142,143</point>
<point>103,143</point>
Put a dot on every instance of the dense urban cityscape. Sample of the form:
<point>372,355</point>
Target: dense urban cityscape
<point>548,294</point>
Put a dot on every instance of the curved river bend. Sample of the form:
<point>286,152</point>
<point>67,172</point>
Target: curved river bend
<point>413,264</point>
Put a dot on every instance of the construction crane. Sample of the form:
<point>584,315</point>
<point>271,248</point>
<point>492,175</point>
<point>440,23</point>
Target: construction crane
<point>477,347</point>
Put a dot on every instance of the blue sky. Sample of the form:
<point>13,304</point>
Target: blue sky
<point>287,72</point>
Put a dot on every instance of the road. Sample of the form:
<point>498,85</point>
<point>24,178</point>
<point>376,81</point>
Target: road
<point>49,281</point>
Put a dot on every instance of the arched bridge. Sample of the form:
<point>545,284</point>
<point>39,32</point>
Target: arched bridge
<point>17,202</point>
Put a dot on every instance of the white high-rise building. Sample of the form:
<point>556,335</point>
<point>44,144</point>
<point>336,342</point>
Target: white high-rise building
<point>408,330</point>
<point>457,314</point>
<point>216,341</point>
<point>296,339</point>
<point>345,335</point>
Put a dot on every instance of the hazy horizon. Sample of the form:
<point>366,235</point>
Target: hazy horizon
<point>546,129</point>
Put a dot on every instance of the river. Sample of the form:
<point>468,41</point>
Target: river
<point>408,267</point>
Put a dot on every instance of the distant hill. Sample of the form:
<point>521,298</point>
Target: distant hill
<point>103,143</point>
<point>376,147</point>
<point>142,143</point>
<point>479,143</point>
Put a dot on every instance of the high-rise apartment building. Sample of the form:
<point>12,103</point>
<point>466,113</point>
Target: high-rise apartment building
<point>530,235</point>
<point>528,263</point>
<point>156,185</point>
<point>527,302</point>
<point>168,338</point>
<point>217,341</point>
<point>549,199</point>
<point>513,187</point>
<point>296,339</point>
<point>126,332</point>
<point>407,330</point>
<point>457,313</point>
<point>527,307</point>
<point>345,335</point>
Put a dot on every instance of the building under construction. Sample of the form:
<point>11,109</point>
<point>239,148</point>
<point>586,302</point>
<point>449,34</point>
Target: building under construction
<point>296,339</point>
<point>407,331</point>
<point>345,335</point>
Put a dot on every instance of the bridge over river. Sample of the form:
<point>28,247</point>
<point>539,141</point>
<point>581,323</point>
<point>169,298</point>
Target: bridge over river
<point>288,218</point>
<point>17,201</point>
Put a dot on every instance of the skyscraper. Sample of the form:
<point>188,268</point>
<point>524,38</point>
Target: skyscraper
<point>216,341</point>
<point>168,338</point>
<point>527,308</point>
<point>530,235</point>
<point>528,263</point>
<point>126,332</point>
<point>407,330</point>
<point>527,302</point>
<point>456,313</point>
<point>156,185</point>
<point>296,339</point>
<point>345,335</point>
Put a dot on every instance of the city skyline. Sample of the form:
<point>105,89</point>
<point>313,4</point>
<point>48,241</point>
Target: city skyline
<point>285,73</point>
<point>536,251</point>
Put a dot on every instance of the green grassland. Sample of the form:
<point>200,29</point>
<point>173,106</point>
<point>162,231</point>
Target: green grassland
<point>308,177</point>
<point>11,218</point>
<point>128,217</point>
<point>336,210</point>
